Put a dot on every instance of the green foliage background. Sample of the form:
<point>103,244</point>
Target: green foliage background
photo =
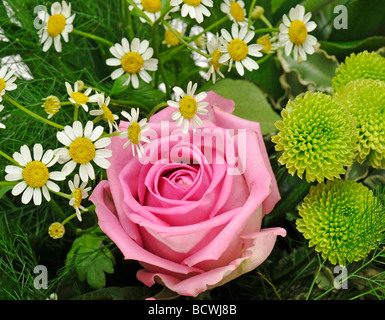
<point>291,270</point>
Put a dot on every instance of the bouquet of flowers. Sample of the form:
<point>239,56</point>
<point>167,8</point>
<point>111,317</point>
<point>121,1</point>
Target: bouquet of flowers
<point>192,149</point>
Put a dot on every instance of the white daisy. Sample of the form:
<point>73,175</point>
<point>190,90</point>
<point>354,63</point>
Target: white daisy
<point>133,59</point>
<point>82,147</point>
<point>79,98</point>
<point>6,81</point>
<point>151,8</point>
<point>189,106</point>
<point>2,126</point>
<point>196,9</point>
<point>78,193</point>
<point>134,132</point>
<point>235,10</point>
<point>294,32</point>
<point>35,176</point>
<point>214,65</point>
<point>105,113</point>
<point>234,48</point>
<point>58,24</point>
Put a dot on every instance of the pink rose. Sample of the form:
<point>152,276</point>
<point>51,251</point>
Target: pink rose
<point>193,225</point>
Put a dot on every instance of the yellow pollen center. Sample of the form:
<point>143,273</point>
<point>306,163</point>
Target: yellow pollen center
<point>297,32</point>
<point>193,3</point>
<point>56,24</point>
<point>237,12</point>
<point>35,174</point>
<point>82,150</point>
<point>152,5</point>
<point>170,38</point>
<point>188,107</point>
<point>265,43</point>
<point>79,97</point>
<point>134,133</point>
<point>2,84</point>
<point>56,230</point>
<point>78,193</point>
<point>51,105</point>
<point>215,57</point>
<point>238,49</point>
<point>132,62</point>
<point>107,114</point>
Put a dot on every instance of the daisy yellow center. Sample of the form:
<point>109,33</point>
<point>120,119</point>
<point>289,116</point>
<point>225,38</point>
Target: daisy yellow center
<point>152,5</point>
<point>2,84</point>
<point>51,105</point>
<point>297,32</point>
<point>56,230</point>
<point>134,132</point>
<point>35,174</point>
<point>82,150</point>
<point>193,3</point>
<point>237,12</point>
<point>215,59</point>
<point>265,43</point>
<point>79,97</point>
<point>170,38</point>
<point>132,62</point>
<point>107,113</point>
<point>238,49</point>
<point>78,193</point>
<point>188,107</point>
<point>56,24</point>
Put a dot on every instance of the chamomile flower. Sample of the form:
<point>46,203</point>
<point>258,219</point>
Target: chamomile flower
<point>2,126</point>
<point>235,49</point>
<point>151,8</point>
<point>235,10</point>
<point>196,9</point>
<point>294,32</point>
<point>79,98</point>
<point>268,43</point>
<point>57,24</point>
<point>51,105</point>
<point>105,113</point>
<point>6,81</point>
<point>188,107</point>
<point>82,147</point>
<point>56,231</point>
<point>134,132</point>
<point>215,54</point>
<point>134,59</point>
<point>34,173</point>
<point>78,193</point>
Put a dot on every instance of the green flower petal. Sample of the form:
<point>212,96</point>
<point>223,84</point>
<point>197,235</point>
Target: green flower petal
<point>343,220</point>
<point>317,137</point>
<point>365,100</point>
<point>364,65</point>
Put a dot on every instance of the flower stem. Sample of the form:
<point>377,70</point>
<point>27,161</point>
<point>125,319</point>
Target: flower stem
<point>126,102</point>
<point>76,112</point>
<point>4,155</point>
<point>266,22</point>
<point>266,30</point>
<point>212,26</point>
<point>32,113</point>
<point>250,13</point>
<point>93,37</point>
<point>183,41</point>
<point>156,108</point>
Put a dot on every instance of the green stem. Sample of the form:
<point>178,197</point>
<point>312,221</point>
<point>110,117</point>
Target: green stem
<point>107,135</point>
<point>212,26</point>
<point>9,158</point>
<point>127,102</point>
<point>69,218</point>
<point>266,30</point>
<point>267,22</point>
<point>6,97</point>
<point>250,13</point>
<point>8,183</point>
<point>156,108</point>
<point>93,37</point>
<point>183,41</point>
<point>76,112</point>
<point>62,194</point>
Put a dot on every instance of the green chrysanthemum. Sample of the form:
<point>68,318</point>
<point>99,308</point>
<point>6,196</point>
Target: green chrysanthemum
<point>316,135</point>
<point>365,100</point>
<point>342,219</point>
<point>364,65</point>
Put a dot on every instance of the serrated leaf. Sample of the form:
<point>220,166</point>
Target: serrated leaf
<point>318,69</point>
<point>91,259</point>
<point>250,102</point>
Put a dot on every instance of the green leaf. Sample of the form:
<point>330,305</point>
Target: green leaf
<point>118,86</point>
<point>342,49</point>
<point>250,102</point>
<point>4,190</point>
<point>357,171</point>
<point>318,70</point>
<point>376,179</point>
<point>91,259</point>
<point>325,278</point>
